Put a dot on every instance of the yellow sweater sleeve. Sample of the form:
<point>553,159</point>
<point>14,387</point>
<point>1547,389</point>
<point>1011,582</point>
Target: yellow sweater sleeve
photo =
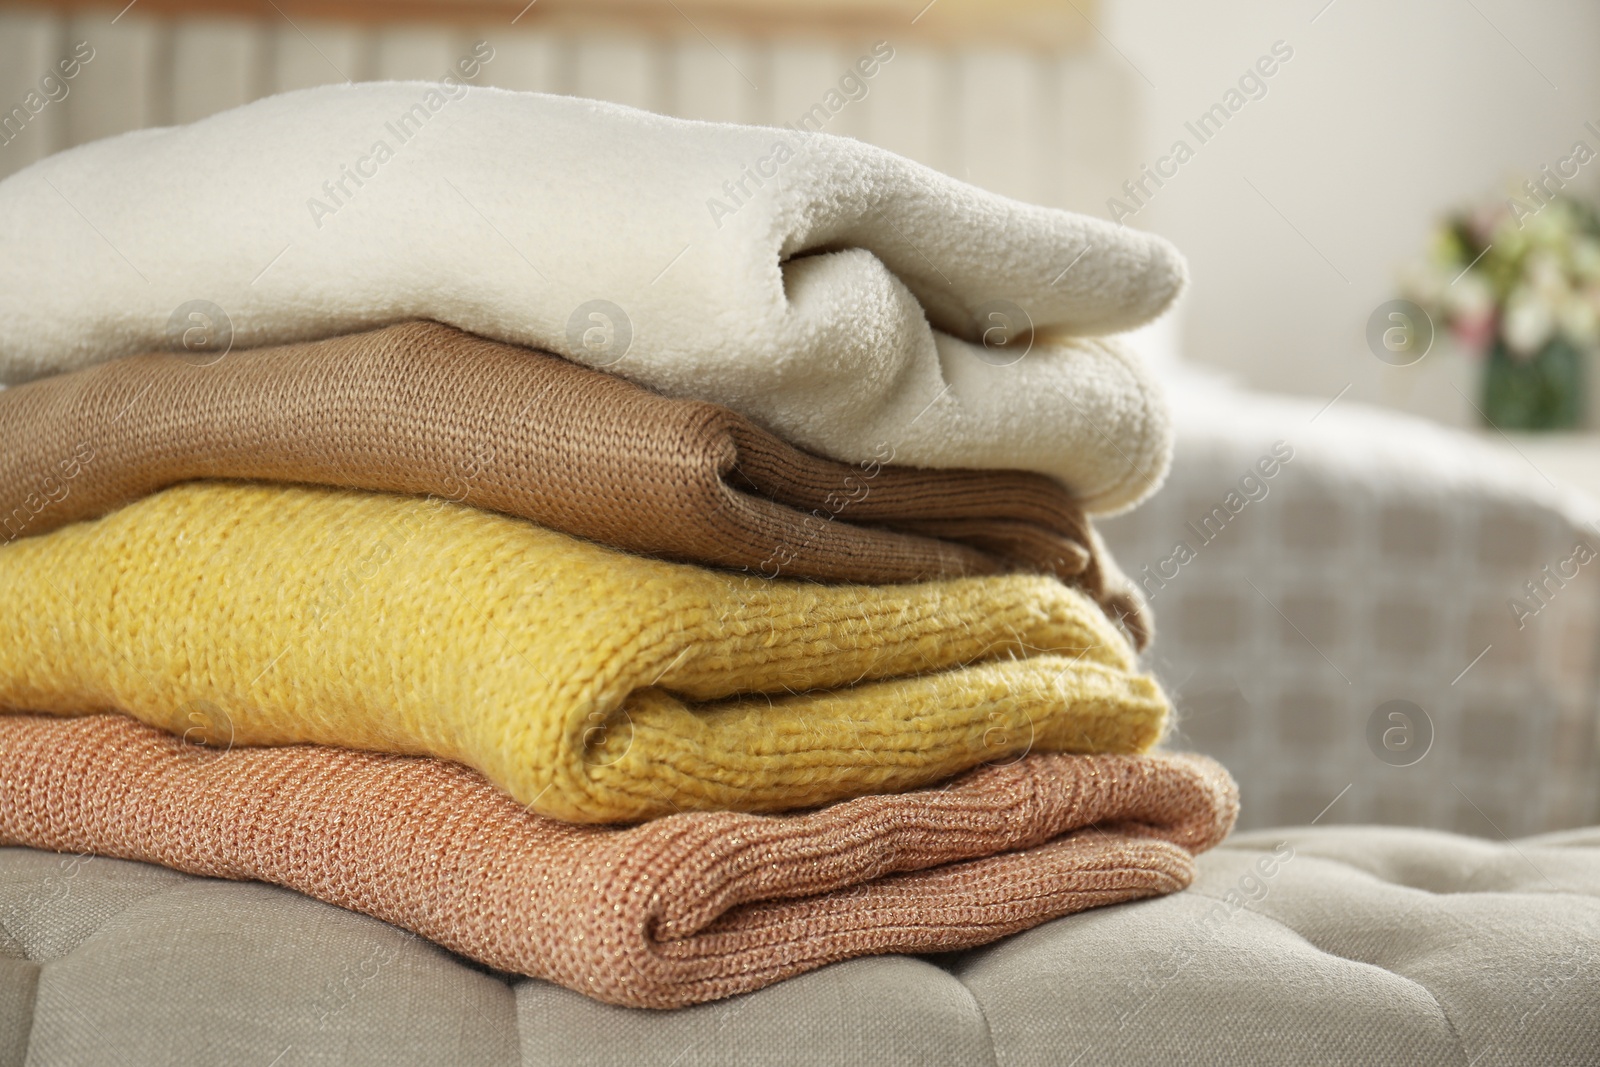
<point>591,685</point>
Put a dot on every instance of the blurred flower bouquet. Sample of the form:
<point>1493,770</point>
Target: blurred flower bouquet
<point>1522,287</point>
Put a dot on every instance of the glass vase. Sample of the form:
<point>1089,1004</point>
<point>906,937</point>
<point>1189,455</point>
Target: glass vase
<point>1541,392</point>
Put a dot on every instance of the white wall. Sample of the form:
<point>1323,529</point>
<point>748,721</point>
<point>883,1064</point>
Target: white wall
<point>1388,113</point>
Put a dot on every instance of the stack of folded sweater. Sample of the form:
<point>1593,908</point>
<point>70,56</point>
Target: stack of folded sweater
<point>776,634</point>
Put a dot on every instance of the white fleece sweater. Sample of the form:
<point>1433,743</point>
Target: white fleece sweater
<point>832,291</point>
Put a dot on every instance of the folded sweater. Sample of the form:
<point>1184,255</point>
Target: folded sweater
<point>683,909</point>
<point>426,409</point>
<point>590,684</point>
<point>847,299</point>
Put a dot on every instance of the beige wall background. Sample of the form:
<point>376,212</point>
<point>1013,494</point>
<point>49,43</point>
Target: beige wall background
<point>1387,114</point>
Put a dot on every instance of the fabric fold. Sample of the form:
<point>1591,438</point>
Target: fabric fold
<point>425,409</point>
<point>677,911</point>
<point>854,303</point>
<point>590,684</point>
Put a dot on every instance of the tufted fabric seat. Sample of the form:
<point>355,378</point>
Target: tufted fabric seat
<point>1334,945</point>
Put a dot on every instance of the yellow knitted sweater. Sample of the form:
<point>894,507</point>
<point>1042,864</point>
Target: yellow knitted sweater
<point>591,685</point>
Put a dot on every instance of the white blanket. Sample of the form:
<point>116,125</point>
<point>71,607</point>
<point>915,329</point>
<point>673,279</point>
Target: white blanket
<point>834,292</point>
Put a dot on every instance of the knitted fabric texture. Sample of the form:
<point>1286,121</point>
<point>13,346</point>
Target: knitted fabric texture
<point>590,684</point>
<point>854,303</point>
<point>683,909</point>
<point>426,409</point>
